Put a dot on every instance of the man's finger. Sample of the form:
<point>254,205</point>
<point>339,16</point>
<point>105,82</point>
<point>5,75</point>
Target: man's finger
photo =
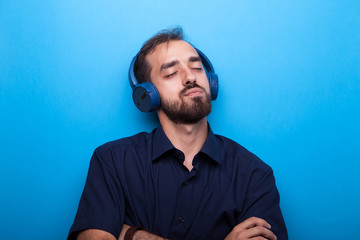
<point>123,231</point>
<point>252,222</point>
<point>260,231</point>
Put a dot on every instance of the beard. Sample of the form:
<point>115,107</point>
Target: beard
<point>187,112</point>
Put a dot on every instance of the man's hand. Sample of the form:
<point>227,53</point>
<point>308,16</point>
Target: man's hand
<point>123,231</point>
<point>251,228</point>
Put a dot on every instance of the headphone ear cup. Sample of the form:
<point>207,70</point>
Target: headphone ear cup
<point>146,97</point>
<point>214,84</point>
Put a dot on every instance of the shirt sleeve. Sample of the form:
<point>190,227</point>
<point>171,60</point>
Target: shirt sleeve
<point>262,200</point>
<point>102,202</point>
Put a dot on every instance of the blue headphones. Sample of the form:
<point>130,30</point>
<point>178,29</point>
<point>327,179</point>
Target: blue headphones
<point>147,98</point>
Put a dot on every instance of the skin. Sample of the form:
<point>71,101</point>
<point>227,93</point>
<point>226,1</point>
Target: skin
<point>170,81</point>
<point>251,228</point>
<point>95,234</point>
<point>173,67</point>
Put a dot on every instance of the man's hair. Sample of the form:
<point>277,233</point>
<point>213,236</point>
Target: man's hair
<point>142,67</point>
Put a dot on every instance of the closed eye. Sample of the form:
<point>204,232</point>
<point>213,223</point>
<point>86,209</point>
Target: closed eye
<point>170,75</point>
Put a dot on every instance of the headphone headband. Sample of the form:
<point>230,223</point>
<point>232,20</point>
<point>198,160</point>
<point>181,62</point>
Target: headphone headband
<point>132,79</point>
<point>206,62</point>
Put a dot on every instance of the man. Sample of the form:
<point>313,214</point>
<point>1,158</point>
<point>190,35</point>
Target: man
<point>180,181</point>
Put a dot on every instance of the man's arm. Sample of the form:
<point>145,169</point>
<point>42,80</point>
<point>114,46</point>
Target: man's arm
<point>95,234</point>
<point>102,204</point>
<point>250,228</point>
<point>139,234</point>
<point>263,201</point>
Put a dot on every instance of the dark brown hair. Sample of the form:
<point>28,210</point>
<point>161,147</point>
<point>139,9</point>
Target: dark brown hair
<point>142,68</point>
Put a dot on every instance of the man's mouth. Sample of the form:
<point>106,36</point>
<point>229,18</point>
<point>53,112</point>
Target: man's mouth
<point>193,92</point>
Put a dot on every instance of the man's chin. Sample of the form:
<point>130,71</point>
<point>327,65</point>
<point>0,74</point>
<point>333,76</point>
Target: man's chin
<point>193,100</point>
<point>191,110</point>
<point>189,116</point>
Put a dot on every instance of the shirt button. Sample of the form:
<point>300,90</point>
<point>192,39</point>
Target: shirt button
<point>181,219</point>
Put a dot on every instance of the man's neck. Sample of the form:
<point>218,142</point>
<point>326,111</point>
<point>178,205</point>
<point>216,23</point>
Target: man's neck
<point>189,138</point>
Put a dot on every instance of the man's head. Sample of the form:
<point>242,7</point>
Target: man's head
<point>175,68</point>
<point>142,67</point>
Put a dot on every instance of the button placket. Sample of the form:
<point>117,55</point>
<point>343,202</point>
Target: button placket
<point>184,199</point>
<point>182,217</point>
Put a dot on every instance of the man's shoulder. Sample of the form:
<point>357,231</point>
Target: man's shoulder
<point>233,147</point>
<point>138,141</point>
<point>235,152</point>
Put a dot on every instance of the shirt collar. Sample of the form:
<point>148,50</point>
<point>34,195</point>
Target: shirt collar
<point>162,144</point>
<point>211,147</point>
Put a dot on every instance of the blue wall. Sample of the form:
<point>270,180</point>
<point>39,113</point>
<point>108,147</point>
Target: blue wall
<point>290,92</point>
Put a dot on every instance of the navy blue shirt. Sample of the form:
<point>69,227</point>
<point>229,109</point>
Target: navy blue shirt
<point>141,181</point>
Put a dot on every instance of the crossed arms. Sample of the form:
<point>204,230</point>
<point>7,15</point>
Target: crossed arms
<point>251,228</point>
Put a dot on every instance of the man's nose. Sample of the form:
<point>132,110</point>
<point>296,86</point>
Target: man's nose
<point>189,77</point>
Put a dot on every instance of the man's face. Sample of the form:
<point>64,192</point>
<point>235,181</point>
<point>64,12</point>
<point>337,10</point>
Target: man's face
<point>178,74</point>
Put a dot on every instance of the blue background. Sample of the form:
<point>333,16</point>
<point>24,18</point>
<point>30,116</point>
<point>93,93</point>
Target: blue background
<point>289,92</point>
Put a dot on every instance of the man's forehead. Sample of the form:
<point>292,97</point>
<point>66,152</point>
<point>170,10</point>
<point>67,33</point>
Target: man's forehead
<point>172,49</point>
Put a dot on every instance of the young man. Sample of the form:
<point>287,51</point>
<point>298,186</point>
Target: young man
<point>180,181</point>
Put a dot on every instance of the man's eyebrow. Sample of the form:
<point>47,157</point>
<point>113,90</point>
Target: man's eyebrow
<point>169,65</point>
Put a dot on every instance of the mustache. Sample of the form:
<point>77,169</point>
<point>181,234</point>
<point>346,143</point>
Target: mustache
<point>190,86</point>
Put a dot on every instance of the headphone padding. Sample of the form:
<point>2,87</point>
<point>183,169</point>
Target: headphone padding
<point>214,84</point>
<point>146,97</point>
